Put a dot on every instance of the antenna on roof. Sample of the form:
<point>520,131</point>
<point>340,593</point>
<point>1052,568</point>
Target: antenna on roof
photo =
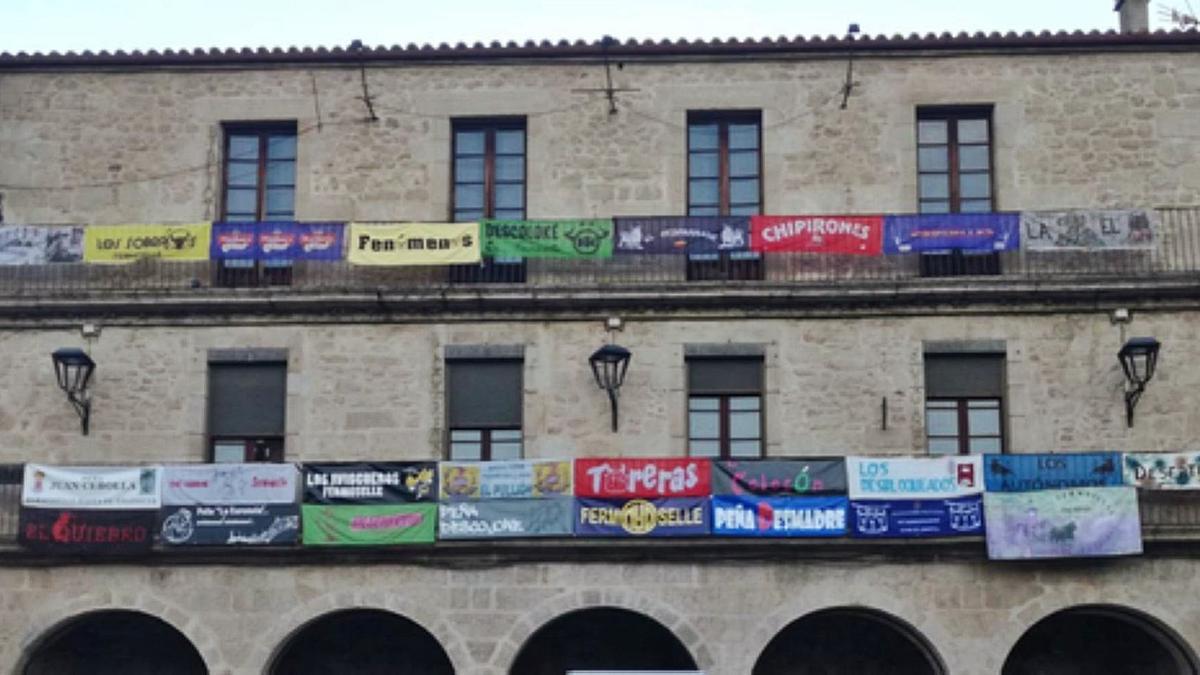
<point>608,89</point>
<point>1182,20</point>
<point>848,86</point>
<point>356,47</point>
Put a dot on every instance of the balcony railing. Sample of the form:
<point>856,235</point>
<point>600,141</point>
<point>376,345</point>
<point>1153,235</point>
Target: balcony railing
<point>1175,256</point>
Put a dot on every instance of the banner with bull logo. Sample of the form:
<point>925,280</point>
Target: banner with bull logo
<point>1073,523</point>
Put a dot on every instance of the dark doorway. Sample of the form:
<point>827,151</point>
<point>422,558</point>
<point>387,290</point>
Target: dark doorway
<point>115,642</point>
<point>361,642</point>
<point>1098,640</point>
<point>601,638</point>
<point>848,641</point>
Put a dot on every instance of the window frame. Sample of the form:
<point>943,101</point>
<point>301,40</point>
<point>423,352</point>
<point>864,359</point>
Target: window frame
<point>263,129</point>
<point>723,119</point>
<point>488,125</point>
<point>725,438</point>
<point>955,113</point>
<point>274,444</point>
<point>964,436</point>
<point>486,441</point>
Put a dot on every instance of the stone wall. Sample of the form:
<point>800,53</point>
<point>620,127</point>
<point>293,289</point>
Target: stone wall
<point>725,613</point>
<point>1071,130</point>
<point>358,391</point>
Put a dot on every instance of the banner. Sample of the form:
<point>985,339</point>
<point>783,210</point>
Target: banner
<point>91,532</point>
<point>1162,470</point>
<point>625,477</point>
<point>669,517</point>
<point>370,482</point>
<point>847,235</point>
<point>125,243</point>
<point>1017,473</point>
<point>547,238</point>
<point>779,477</point>
<point>375,525</point>
<point>258,483</point>
<point>914,477</point>
<point>413,243</point>
<point>948,231</point>
<point>903,518</point>
<point>277,241</point>
<point>779,516</point>
<point>682,234</point>
<point>230,525</point>
<point>40,244</point>
<point>1080,522</point>
<point>1113,229</point>
<point>83,487</point>
<point>506,518</point>
<point>505,480</point>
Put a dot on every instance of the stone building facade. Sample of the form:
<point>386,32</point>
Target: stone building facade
<point>1077,121</point>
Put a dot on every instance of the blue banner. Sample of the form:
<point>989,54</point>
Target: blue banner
<point>681,234</point>
<point>662,517</point>
<point>779,516</point>
<point>942,232</point>
<point>907,518</point>
<point>1019,473</point>
<point>277,241</point>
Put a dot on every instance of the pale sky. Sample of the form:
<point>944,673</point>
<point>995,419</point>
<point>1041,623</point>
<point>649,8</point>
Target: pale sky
<point>62,25</point>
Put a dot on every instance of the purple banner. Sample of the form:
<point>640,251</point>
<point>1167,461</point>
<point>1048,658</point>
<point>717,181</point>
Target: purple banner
<point>1075,523</point>
<point>906,518</point>
<point>930,233</point>
<point>682,234</point>
<point>277,241</point>
<point>663,517</point>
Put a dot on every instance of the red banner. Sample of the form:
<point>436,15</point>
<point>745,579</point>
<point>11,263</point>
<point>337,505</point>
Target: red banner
<point>849,235</point>
<point>624,477</point>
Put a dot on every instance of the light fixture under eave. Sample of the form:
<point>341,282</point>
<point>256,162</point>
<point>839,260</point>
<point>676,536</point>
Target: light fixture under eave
<point>1138,357</point>
<point>74,368</point>
<point>609,364</point>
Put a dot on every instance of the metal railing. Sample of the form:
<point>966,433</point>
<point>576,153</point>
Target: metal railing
<point>1176,255</point>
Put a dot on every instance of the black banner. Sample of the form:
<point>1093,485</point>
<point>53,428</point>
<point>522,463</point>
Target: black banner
<point>370,482</point>
<point>86,531</point>
<point>230,525</point>
<point>779,477</point>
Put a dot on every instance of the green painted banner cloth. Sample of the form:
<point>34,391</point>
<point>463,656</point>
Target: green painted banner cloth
<point>377,525</point>
<point>547,238</point>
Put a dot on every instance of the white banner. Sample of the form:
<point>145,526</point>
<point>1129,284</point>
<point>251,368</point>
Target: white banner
<point>1058,230</point>
<point>212,484</point>
<point>91,487</point>
<point>518,479</point>
<point>914,477</point>
<point>1162,470</point>
<point>40,244</point>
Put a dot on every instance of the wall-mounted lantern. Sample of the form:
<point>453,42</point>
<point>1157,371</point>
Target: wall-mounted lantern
<point>73,368</point>
<point>609,364</point>
<point>1138,358</point>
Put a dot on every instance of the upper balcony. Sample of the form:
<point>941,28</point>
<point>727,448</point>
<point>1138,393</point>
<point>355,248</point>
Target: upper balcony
<point>1170,269</point>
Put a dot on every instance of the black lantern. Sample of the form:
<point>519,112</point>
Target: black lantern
<point>74,368</point>
<point>609,364</point>
<point>1138,358</point>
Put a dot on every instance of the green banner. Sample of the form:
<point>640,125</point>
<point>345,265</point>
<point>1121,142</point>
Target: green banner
<point>547,238</point>
<point>378,525</point>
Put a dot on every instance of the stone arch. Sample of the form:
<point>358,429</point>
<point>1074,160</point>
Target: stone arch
<point>1119,640</point>
<point>266,647</point>
<point>622,599</point>
<point>42,625</point>
<point>365,640</point>
<point>848,639</point>
<point>111,641</point>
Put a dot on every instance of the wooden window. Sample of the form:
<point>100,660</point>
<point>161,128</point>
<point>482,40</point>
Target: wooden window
<point>488,181</point>
<point>954,160</point>
<point>484,408</point>
<point>246,408</point>
<point>259,184</point>
<point>724,179</point>
<point>725,411</point>
<point>964,403</point>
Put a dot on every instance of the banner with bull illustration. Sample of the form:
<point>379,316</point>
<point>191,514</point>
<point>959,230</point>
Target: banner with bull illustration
<point>1088,230</point>
<point>524,479</point>
<point>1073,523</point>
<point>682,234</point>
<point>662,517</point>
<point>1016,473</point>
<point>230,525</point>
<point>257,483</point>
<point>126,243</point>
<point>547,238</point>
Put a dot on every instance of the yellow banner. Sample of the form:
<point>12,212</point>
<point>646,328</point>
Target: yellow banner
<point>126,243</point>
<point>414,243</point>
